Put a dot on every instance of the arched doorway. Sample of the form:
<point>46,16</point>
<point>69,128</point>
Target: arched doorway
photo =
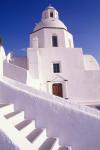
<point>57,89</point>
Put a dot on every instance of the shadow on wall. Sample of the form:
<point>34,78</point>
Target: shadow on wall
<point>14,72</point>
<point>9,145</point>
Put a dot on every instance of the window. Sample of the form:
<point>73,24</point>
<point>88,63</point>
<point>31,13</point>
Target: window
<point>56,67</point>
<point>54,41</point>
<point>98,107</point>
<point>51,14</point>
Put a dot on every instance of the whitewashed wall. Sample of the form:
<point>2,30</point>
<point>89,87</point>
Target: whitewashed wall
<point>85,87</point>
<point>82,85</point>
<point>71,61</point>
<point>45,37</point>
<point>2,58</point>
<point>75,125</point>
<point>39,35</point>
<point>14,72</point>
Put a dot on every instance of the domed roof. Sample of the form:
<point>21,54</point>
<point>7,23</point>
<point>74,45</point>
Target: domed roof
<point>50,7</point>
<point>50,21</point>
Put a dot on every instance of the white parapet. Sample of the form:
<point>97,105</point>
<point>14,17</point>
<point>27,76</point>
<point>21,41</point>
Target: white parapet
<point>2,58</point>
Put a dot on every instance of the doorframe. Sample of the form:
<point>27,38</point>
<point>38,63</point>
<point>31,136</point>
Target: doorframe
<point>58,79</point>
<point>64,87</point>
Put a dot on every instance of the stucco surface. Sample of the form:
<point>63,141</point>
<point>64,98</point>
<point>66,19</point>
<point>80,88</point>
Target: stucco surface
<point>14,72</point>
<point>5,143</point>
<point>75,125</point>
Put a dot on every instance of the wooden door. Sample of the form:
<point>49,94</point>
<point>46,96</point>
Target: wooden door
<point>57,89</point>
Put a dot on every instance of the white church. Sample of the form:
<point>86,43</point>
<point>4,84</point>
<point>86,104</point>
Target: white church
<point>56,86</point>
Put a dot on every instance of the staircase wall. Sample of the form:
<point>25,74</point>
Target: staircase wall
<point>14,72</point>
<point>75,125</point>
<point>10,137</point>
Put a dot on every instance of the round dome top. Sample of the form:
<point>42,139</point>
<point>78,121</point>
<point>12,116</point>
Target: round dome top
<point>50,7</point>
<point>50,18</point>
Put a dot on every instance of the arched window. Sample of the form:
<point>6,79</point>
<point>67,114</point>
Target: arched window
<point>51,14</point>
<point>54,41</point>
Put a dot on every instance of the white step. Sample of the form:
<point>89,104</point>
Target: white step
<point>50,144</point>
<point>26,127</point>
<point>37,138</point>
<point>5,108</point>
<point>15,117</point>
<point>55,146</point>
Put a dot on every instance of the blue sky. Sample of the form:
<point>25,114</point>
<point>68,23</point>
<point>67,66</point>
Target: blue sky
<point>82,17</point>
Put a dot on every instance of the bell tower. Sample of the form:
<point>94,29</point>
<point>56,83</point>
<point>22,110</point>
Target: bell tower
<point>50,13</point>
<point>51,27</point>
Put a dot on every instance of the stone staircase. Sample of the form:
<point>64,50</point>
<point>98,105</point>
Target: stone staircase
<point>36,136</point>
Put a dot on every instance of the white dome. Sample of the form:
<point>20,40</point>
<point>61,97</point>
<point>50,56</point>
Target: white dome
<point>91,63</point>
<point>50,7</point>
<point>50,18</point>
<point>50,23</point>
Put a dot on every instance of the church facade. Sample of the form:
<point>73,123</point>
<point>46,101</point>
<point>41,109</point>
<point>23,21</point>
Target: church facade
<point>55,66</point>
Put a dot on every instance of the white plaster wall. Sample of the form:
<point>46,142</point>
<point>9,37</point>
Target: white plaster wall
<point>75,125</point>
<point>85,87</point>
<point>32,57</point>
<point>82,86</point>
<point>71,61</point>
<point>45,37</point>
<point>69,43</point>
<point>32,82</point>
<point>40,35</point>
<point>14,72</point>
<point>48,37</point>
<point>2,58</point>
